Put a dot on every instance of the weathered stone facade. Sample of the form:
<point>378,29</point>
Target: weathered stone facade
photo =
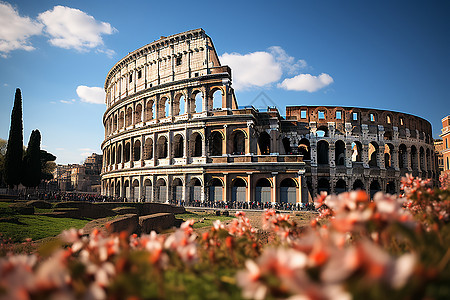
<point>174,132</point>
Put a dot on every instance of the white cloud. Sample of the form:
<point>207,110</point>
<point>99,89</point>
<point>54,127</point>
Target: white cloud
<point>287,62</point>
<point>94,94</point>
<point>15,30</point>
<point>306,82</point>
<point>72,101</point>
<point>71,28</point>
<point>255,69</point>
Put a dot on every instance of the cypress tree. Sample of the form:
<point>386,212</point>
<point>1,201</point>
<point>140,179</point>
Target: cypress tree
<point>31,175</point>
<point>14,150</point>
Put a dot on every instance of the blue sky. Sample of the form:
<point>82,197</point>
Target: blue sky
<point>382,54</point>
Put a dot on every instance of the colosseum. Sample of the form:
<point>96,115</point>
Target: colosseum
<point>174,133</point>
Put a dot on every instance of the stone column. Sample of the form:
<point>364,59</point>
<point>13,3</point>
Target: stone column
<point>155,157</point>
<point>225,188</point>
<point>394,159</point>
<point>348,155</point>
<point>331,155</point>
<point>380,157</point>
<point>365,155</point>
<point>408,159</point>
<point>249,187</point>
<point>274,189</point>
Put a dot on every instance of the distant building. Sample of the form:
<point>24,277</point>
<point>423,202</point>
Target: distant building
<point>438,148</point>
<point>80,178</point>
<point>446,143</point>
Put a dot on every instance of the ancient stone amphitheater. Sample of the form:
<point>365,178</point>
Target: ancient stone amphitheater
<point>174,132</point>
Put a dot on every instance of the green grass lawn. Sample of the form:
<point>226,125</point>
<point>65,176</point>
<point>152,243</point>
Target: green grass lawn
<point>35,227</point>
<point>207,217</point>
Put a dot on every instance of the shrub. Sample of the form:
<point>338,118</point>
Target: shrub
<point>22,208</point>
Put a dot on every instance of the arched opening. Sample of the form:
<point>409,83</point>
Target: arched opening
<point>179,105</point>
<point>358,185</point>
<point>149,110</point>
<point>322,153</point>
<point>322,131</point>
<point>388,151</point>
<point>127,150</point>
<point>288,191</point>
<point>374,188</point>
<point>304,149</point>
<point>356,152</point>
<point>111,190</point>
<point>178,146</point>
<point>215,190</point>
<point>339,153</point>
<point>263,191</point>
<point>215,144</point>
<point>286,145</point>
<point>113,155</point>
<point>108,155</point>
<point>390,188</point>
<point>138,114</point>
<point>177,193</point>
<point>148,149</point>
<point>341,186</point>
<point>161,147</point>
<point>121,120</point>
<point>388,136</point>
<point>167,112</point>
<point>198,101</point>
<point>238,142</point>
<point>119,154</point>
<point>136,193</point>
<point>414,162</point>
<point>161,190</point>
<point>148,190</point>
<point>264,143</point>
<point>422,159</point>
<point>195,190</point>
<point>238,190</point>
<point>137,150</point>
<point>217,99</point>
<point>195,145</point>
<point>115,123</point>
<point>428,160</point>
<point>373,154</point>
<point>162,107</point>
<point>117,192</point>
<point>402,156</point>
<point>127,189</point>
<point>129,117</point>
<point>323,185</point>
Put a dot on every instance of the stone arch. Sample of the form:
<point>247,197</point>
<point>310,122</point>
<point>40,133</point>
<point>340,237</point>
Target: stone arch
<point>239,190</point>
<point>121,120</point>
<point>113,155</point>
<point>341,186</point>
<point>414,162</point>
<point>216,100</point>
<point>264,143</point>
<point>263,190</point>
<point>135,191</point>
<point>137,150</point>
<point>138,114</point>
<point>129,117</point>
<point>322,152</point>
<point>238,138</point>
<point>148,149</point>
<point>339,153</point>
<point>216,187</point>
<point>216,143</point>
<point>304,149</point>
<point>428,160</point>
<point>356,151</point>
<point>119,153</point>
<point>288,191</point>
<point>161,147</point>
<point>374,187</point>
<point>177,190</point>
<point>178,146</point>
<point>323,185</point>
<point>115,122</point>
<point>422,158</point>
<point>358,185</point>
<point>373,154</point>
<point>127,152</point>
<point>197,101</point>
<point>196,145</point>
<point>150,110</point>
<point>108,156</point>
<point>388,152</point>
<point>127,189</point>
<point>148,188</point>
<point>390,188</point>
<point>402,156</point>
<point>179,104</point>
<point>195,187</point>
<point>161,190</point>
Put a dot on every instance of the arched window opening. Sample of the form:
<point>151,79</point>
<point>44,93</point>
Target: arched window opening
<point>108,155</point>
<point>127,189</point>
<point>374,188</point>
<point>129,117</point>
<point>264,143</point>
<point>177,193</point>
<point>217,99</point>
<point>356,152</point>
<point>121,120</point>
<point>127,151</point>
<point>115,123</point>
<point>135,195</point>
<point>119,154</point>
<point>198,102</point>
<point>288,191</point>
<point>148,190</point>
<point>388,119</point>
<point>322,131</point>
<point>286,145</point>
<point>358,185</point>
<point>323,185</point>
<point>322,153</point>
<point>390,187</point>
<point>195,190</point>
<point>161,190</point>
<point>137,150</point>
<point>414,162</point>
<point>373,154</point>
<point>215,144</point>
<point>339,153</point>
<point>148,149</point>
<point>388,151</point>
<point>178,146</point>
<point>422,158</point>
<point>263,191</point>
<point>304,149</point>
<point>179,105</point>
<point>215,190</point>
<point>167,112</point>
<point>195,145</point>
<point>341,186</point>
<point>138,114</point>
<point>149,110</point>
<point>238,192</point>
<point>161,147</point>
<point>113,155</point>
<point>238,143</point>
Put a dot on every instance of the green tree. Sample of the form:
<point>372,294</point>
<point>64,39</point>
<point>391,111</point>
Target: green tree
<point>3,144</point>
<point>47,165</point>
<point>14,150</point>
<point>31,176</point>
